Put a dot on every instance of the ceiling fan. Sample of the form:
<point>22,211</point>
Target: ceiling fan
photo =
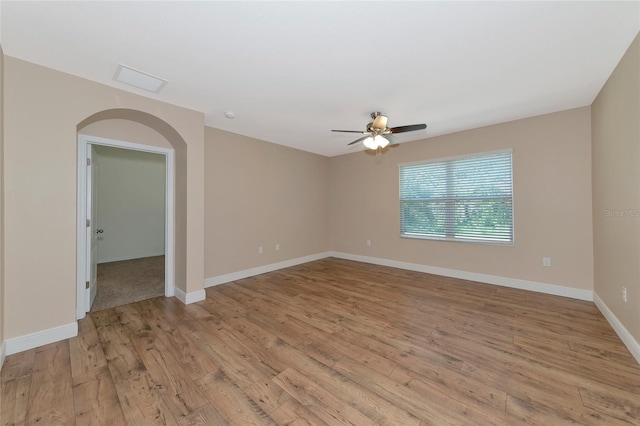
<point>378,135</point>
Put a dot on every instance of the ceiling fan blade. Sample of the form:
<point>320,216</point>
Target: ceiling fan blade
<point>411,128</point>
<point>359,140</point>
<point>350,131</point>
<point>392,139</point>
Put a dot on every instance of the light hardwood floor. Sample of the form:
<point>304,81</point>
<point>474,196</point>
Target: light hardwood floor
<point>333,342</point>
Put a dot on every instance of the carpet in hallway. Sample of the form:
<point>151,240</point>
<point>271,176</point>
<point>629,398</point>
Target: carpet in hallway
<point>129,281</point>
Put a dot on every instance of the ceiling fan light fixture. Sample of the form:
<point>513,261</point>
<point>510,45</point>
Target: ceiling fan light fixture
<point>381,141</point>
<point>370,143</point>
<point>375,142</point>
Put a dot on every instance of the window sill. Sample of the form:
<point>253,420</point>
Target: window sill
<point>458,240</point>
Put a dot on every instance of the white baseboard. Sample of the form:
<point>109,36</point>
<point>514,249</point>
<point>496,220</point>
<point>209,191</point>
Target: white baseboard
<point>187,298</point>
<point>40,338</point>
<point>557,290</point>
<point>3,353</point>
<point>221,279</point>
<point>120,259</point>
<point>626,337</point>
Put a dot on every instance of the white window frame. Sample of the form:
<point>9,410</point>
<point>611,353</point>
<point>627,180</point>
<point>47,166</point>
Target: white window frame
<point>452,237</point>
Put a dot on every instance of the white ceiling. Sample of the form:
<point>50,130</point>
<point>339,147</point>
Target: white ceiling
<point>292,71</point>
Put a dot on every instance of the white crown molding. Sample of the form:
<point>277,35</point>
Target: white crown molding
<point>40,338</point>
<point>188,298</point>
<point>246,273</point>
<point>626,337</point>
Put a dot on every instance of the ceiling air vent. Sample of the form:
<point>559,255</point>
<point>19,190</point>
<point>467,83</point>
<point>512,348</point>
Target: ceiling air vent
<point>139,79</point>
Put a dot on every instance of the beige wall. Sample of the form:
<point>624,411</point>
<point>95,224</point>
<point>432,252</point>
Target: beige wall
<point>42,111</point>
<point>616,190</point>
<point>126,131</point>
<point>261,194</point>
<point>552,202</point>
<point>2,271</point>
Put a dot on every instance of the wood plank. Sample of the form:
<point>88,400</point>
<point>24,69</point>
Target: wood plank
<point>15,385</point>
<point>359,397</point>
<point>138,394</point>
<point>320,401</point>
<point>532,412</point>
<point>206,415</point>
<point>455,385</point>
<point>86,353</point>
<point>254,379</point>
<point>51,393</point>
<point>95,399</point>
<point>15,400</point>
<point>184,351</point>
<point>231,402</point>
<point>292,413</point>
<point>425,406</point>
<point>608,354</point>
<point>17,365</point>
<point>613,403</point>
<point>104,318</point>
<point>504,369</point>
<point>175,387</point>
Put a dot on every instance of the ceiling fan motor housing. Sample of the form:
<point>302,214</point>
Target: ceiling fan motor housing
<point>379,121</point>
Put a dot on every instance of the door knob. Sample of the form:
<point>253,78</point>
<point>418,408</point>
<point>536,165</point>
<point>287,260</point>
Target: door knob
<point>99,231</point>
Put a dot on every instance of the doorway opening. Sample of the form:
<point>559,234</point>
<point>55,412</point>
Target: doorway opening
<point>122,282</point>
<point>141,261</point>
<point>128,206</point>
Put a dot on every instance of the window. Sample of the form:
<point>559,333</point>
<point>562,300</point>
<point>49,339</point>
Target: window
<point>459,199</point>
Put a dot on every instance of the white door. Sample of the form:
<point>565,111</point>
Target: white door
<point>92,228</point>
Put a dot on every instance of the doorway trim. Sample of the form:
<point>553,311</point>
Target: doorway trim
<point>81,242</point>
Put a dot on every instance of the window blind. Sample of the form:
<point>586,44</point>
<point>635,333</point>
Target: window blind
<point>464,199</point>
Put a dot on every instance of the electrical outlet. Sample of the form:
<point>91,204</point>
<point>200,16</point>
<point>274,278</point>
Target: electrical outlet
<point>277,247</point>
<point>624,294</point>
<point>369,243</point>
<point>546,261</point>
<point>260,250</point>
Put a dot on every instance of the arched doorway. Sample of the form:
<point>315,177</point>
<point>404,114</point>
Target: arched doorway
<point>176,196</point>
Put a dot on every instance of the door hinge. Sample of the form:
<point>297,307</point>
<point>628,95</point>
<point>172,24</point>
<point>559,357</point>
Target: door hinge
<point>87,285</point>
<point>88,223</point>
<point>88,161</point>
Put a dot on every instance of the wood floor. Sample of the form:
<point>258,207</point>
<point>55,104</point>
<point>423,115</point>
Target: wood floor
<point>333,342</point>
